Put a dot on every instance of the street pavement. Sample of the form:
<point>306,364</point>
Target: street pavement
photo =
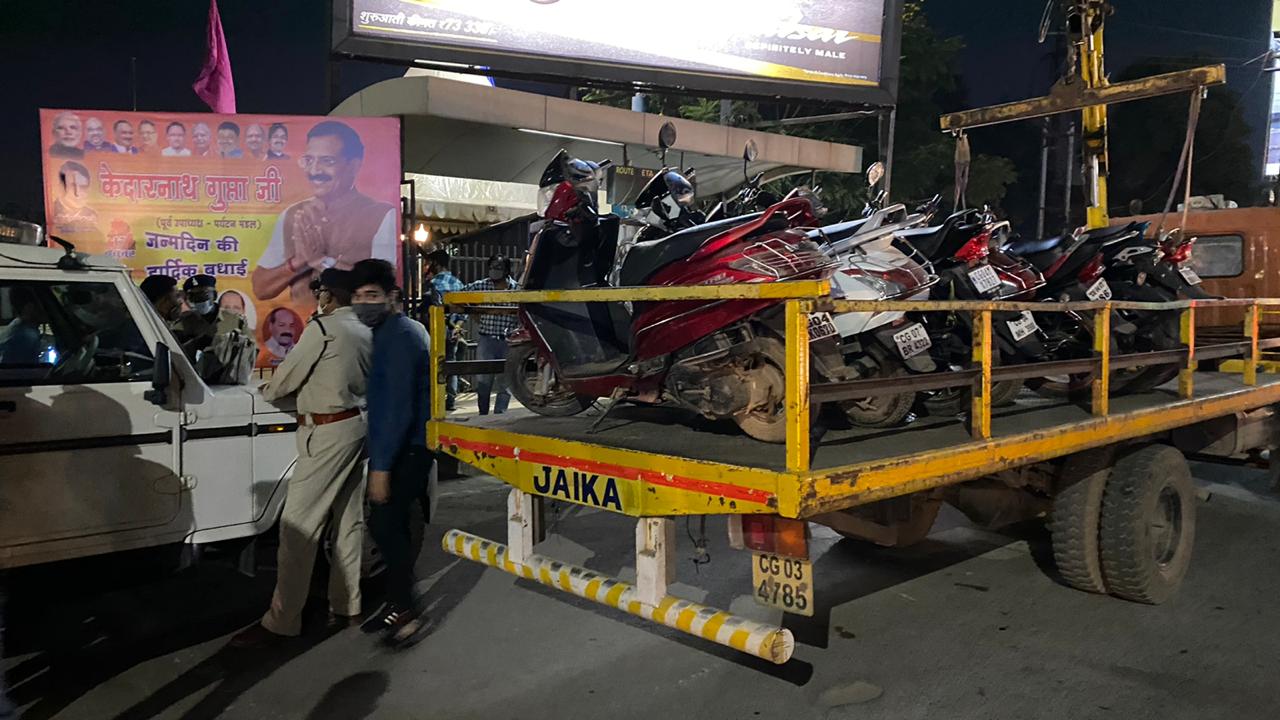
<point>969,624</point>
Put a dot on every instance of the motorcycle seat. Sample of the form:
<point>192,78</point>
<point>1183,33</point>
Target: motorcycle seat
<point>835,233</point>
<point>1112,234</point>
<point>925,239</point>
<point>646,258</point>
<point>1027,248</point>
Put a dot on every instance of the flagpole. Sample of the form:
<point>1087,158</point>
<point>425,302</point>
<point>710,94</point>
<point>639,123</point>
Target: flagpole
<point>133,80</point>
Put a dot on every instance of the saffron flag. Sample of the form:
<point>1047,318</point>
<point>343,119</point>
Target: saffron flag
<point>214,84</point>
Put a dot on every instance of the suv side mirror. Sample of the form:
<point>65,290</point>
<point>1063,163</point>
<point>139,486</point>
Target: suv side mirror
<point>160,377</point>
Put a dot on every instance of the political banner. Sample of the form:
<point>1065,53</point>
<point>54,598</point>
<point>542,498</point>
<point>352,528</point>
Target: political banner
<point>261,203</point>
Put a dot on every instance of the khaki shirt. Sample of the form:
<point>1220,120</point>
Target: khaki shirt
<point>328,369</point>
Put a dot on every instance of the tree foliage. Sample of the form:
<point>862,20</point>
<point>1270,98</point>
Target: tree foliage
<point>1146,141</point>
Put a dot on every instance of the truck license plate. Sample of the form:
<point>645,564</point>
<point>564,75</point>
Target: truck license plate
<point>1099,290</point>
<point>1189,275</point>
<point>912,341</point>
<point>782,582</point>
<point>1023,326</point>
<point>984,278</point>
<point>821,326</point>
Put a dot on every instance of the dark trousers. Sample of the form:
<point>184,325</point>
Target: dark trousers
<point>451,350</point>
<point>390,521</point>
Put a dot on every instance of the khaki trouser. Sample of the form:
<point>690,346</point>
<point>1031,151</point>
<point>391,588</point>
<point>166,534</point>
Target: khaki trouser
<point>327,485</point>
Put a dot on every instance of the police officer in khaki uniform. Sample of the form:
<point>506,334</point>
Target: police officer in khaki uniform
<point>326,372</point>
<point>198,328</point>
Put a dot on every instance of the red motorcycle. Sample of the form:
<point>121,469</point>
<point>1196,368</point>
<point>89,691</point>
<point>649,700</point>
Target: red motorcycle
<point>724,359</point>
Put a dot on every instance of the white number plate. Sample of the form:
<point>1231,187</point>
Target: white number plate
<point>1189,275</point>
<point>1099,290</point>
<point>821,327</point>
<point>912,341</point>
<point>782,582</point>
<point>1023,326</point>
<point>984,278</point>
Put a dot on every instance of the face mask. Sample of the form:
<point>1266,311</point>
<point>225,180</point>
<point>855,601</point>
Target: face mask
<point>371,314</point>
<point>203,308</point>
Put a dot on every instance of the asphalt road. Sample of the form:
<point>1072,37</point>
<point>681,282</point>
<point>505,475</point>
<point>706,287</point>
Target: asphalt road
<point>969,624</point>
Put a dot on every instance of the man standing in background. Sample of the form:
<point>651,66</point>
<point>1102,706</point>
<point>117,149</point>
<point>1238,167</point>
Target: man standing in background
<point>443,282</point>
<point>399,462</point>
<point>327,374</point>
<point>493,331</point>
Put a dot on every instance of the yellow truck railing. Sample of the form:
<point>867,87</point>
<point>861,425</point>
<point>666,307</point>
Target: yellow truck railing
<point>654,488</point>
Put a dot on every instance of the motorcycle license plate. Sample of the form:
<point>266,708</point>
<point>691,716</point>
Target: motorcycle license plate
<point>1024,326</point>
<point>912,341</point>
<point>1099,290</point>
<point>821,327</point>
<point>1189,275</point>
<point>782,582</point>
<point>984,278</point>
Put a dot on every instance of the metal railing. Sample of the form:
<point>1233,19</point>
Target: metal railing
<point>804,297</point>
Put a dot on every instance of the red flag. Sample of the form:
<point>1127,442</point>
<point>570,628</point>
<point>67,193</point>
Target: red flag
<point>214,84</point>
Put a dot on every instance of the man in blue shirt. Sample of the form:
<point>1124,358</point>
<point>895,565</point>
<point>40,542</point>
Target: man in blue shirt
<point>493,330</point>
<point>399,462</point>
<point>442,282</point>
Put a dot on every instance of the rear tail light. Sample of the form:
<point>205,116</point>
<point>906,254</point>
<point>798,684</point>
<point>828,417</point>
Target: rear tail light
<point>1092,270</point>
<point>1181,253</point>
<point>977,249</point>
<point>770,534</point>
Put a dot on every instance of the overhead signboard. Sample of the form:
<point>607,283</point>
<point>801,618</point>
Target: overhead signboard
<point>263,203</point>
<point>845,50</point>
<point>1272,163</point>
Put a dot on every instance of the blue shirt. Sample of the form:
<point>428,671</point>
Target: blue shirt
<point>399,390</point>
<point>446,282</point>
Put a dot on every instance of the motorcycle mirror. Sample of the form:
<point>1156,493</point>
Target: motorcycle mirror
<point>875,174</point>
<point>749,153</point>
<point>667,135</point>
<point>666,138</point>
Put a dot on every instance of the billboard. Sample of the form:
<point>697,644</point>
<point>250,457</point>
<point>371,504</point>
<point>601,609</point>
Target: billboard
<point>1272,163</point>
<point>825,49</point>
<point>262,203</point>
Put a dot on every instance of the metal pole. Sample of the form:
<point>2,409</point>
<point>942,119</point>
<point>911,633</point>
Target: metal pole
<point>888,130</point>
<point>1071,168</point>
<point>1044,177</point>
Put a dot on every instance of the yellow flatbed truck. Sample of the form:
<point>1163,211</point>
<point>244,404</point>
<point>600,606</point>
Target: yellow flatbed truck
<point>1108,474</point>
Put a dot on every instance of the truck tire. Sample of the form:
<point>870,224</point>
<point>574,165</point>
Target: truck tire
<point>1075,521</point>
<point>1148,524</point>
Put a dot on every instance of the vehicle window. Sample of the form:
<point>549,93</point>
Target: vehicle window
<point>1218,256</point>
<point>55,333</point>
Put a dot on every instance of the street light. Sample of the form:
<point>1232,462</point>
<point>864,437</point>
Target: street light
<point>420,234</point>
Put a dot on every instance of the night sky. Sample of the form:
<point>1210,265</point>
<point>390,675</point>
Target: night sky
<point>60,53</point>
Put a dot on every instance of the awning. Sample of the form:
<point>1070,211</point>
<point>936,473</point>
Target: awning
<point>463,130</point>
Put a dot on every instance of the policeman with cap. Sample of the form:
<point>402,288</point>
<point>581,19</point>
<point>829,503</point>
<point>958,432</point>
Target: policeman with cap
<point>205,330</point>
<point>327,373</point>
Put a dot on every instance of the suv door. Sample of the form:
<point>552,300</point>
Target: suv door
<point>81,451</point>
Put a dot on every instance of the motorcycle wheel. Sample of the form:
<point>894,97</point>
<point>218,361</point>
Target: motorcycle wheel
<point>523,373</point>
<point>767,422</point>
<point>881,411</point>
<point>955,401</point>
<point>1077,343</point>
<point>1162,333</point>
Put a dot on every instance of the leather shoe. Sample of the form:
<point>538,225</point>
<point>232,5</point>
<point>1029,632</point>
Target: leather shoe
<point>256,636</point>
<point>342,622</point>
